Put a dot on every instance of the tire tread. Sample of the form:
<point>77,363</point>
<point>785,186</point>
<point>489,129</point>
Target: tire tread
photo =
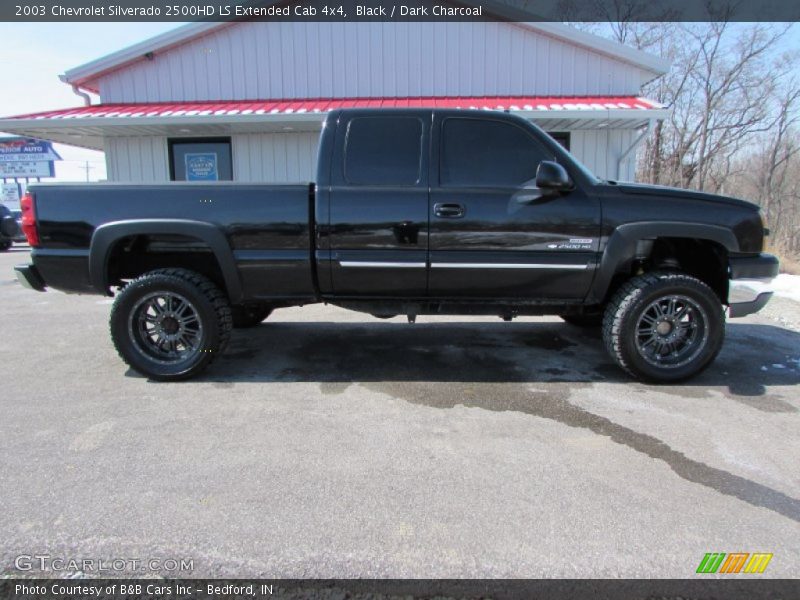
<point>626,295</point>
<point>207,288</point>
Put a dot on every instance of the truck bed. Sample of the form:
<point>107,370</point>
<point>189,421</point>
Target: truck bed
<point>266,227</point>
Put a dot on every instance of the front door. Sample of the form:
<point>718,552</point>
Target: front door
<point>492,233</point>
<point>379,205</point>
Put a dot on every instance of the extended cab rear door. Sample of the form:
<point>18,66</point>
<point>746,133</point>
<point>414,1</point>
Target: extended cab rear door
<point>492,234</point>
<point>378,204</point>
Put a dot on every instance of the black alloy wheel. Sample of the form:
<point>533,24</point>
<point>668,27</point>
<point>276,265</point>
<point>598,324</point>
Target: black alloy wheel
<point>170,324</point>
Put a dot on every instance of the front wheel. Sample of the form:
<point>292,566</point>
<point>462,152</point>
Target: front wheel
<point>170,324</point>
<point>664,327</point>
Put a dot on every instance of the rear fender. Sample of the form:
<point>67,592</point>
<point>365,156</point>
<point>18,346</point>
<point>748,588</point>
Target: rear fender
<point>107,235</point>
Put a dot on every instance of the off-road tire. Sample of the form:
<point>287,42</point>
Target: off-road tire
<point>209,304</point>
<point>249,316</point>
<point>587,321</point>
<point>627,308</point>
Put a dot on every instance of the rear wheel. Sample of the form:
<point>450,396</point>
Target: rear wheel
<point>170,324</point>
<point>664,327</point>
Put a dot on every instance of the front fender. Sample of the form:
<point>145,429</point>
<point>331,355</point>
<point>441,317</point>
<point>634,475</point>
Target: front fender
<point>105,236</point>
<point>620,249</point>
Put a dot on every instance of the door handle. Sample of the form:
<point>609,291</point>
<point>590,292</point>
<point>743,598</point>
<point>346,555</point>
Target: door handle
<point>448,211</point>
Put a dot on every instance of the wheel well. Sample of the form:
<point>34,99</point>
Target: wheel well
<point>135,255</point>
<point>704,259</point>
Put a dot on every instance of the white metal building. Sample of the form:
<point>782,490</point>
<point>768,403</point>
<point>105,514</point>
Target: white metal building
<point>255,93</point>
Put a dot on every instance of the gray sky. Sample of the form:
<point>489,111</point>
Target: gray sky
<point>35,54</point>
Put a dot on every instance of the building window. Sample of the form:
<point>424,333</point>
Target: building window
<point>383,151</point>
<point>200,159</point>
<point>486,153</point>
<point>562,137</point>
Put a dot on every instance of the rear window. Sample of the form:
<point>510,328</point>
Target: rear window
<point>383,151</point>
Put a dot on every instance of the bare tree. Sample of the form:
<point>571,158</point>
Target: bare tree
<point>734,125</point>
<point>771,172</point>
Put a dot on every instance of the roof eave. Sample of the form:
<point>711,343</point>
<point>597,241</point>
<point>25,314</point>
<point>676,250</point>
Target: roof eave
<point>649,62</point>
<point>12,125</point>
<point>84,75</point>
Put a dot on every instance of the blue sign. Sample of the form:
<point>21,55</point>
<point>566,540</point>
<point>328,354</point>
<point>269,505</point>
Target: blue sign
<point>201,166</point>
<point>20,149</point>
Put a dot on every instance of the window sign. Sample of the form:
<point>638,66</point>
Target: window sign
<point>200,159</point>
<point>201,166</point>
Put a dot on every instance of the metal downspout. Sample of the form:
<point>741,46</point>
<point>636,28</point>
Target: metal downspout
<point>636,143</point>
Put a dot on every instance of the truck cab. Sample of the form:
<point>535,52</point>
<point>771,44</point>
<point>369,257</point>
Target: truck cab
<point>419,203</point>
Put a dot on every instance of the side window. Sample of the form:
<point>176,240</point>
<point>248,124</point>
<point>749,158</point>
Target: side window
<point>200,159</point>
<point>383,151</point>
<point>486,153</point>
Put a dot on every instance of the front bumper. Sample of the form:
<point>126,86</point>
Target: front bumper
<point>29,277</point>
<point>750,287</point>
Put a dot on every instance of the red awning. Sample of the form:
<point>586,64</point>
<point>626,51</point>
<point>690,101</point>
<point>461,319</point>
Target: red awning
<point>322,105</point>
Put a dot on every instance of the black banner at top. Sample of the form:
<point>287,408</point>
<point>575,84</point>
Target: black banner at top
<point>399,11</point>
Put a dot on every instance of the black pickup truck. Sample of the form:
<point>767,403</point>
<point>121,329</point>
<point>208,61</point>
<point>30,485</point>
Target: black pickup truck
<point>413,212</point>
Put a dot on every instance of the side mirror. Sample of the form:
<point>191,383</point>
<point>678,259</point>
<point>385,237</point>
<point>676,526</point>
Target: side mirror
<point>552,176</point>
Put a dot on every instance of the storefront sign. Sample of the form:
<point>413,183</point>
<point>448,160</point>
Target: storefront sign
<point>27,169</point>
<point>26,150</point>
<point>201,166</point>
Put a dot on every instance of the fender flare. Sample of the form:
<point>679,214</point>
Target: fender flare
<point>621,246</point>
<point>106,235</point>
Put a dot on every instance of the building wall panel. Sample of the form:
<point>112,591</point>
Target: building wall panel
<point>275,157</point>
<point>600,150</point>
<point>310,60</point>
<point>140,159</point>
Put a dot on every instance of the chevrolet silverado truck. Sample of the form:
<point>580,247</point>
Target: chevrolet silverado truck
<point>414,212</point>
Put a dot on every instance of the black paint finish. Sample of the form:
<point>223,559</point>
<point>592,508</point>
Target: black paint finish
<point>387,224</point>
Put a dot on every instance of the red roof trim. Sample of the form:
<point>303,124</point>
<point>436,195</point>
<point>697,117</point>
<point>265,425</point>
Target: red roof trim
<point>323,105</point>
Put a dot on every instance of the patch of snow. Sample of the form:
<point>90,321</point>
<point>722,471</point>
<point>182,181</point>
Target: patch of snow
<point>787,286</point>
<point>778,366</point>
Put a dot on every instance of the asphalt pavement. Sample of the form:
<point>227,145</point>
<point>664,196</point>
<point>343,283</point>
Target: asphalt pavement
<point>326,443</point>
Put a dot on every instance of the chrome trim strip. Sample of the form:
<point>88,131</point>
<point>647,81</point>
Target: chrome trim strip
<point>507,266</point>
<point>382,264</point>
<point>448,265</point>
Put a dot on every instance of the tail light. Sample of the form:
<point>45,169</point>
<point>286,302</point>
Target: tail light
<point>29,219</point>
